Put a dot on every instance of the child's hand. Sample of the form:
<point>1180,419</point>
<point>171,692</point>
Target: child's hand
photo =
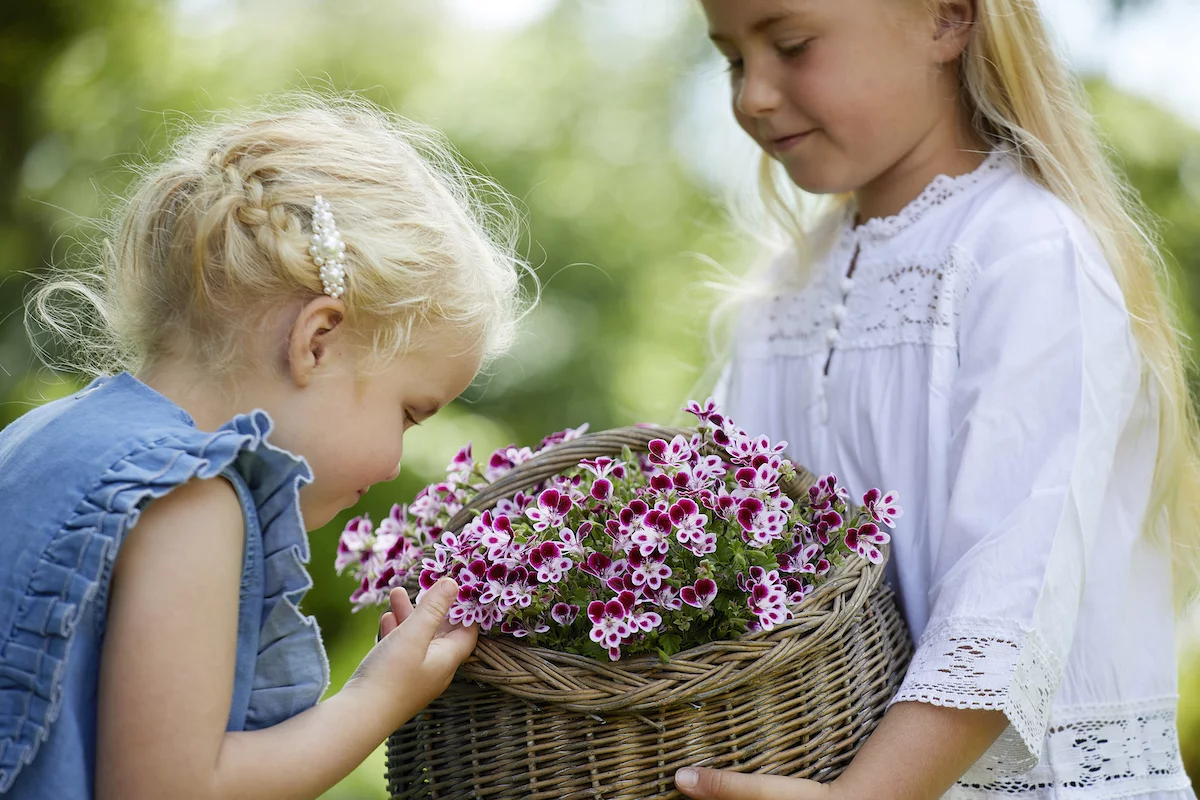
<point>417,653</point>
<point>715,784</point>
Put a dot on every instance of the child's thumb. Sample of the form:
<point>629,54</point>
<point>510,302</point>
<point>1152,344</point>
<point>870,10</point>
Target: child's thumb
<point>433,607</point>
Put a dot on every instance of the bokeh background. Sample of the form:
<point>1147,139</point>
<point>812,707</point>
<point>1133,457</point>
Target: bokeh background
<point>607,119</point>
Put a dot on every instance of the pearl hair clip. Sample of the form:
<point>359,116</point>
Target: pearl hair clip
<point>328,249</point>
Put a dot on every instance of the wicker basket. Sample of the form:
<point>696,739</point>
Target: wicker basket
<point>526,722</point>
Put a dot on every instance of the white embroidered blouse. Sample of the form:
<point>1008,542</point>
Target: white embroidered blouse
<point>974,353</point>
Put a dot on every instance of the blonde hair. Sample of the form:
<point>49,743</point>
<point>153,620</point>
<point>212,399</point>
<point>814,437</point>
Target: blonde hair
<point>1026,101</point>
<point>217,236</point>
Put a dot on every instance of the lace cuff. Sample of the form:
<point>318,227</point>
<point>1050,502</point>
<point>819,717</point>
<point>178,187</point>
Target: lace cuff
<point>993,665</point>
<point>1095,752</point>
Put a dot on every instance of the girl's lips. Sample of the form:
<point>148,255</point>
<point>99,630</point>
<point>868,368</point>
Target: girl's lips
<point>785,143</point>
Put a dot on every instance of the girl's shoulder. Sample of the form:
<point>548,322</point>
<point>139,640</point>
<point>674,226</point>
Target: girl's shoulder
<point>1015,213</point>
<point>109,443</point>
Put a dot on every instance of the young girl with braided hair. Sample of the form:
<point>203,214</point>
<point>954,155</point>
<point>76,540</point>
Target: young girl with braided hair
<point>971,313</point>
<point>283,297</point>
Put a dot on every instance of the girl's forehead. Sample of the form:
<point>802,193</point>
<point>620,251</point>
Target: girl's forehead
<point>735,19</point>
<point>759,16</point>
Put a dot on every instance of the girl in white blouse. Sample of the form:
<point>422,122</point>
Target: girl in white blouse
<point>975,321</point>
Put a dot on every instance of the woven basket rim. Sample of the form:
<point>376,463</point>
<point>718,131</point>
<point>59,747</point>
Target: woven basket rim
<point>642,682</point>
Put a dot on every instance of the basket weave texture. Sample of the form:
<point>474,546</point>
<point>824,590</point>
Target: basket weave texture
<point>520,721</point>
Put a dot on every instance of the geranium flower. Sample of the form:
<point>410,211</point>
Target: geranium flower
<point>826,492</point>
<point>564,613</point>
<point>763,481</point>
<point>570,486</point>
<point>610,622</point>
<point>645,621</point>
<point>665,597</point>
<point>700,594</point>
<point>602,468</point>
<point>519,631</point>
<point>467,609</point>
<point>827,523</point>
<point>563,436</point>
<point>396,522</point>
<point>514,507</point>
<point>493,584</point>
<point>649,571</point>
<point>504,460</point>
<point>670,454</point>
<point>798,591</point>
<point>762,522</point>
<point>624,583</point>
<point>630,517</point>
<point>767,598</point>
<point>367,595</point>
<point>551,510</point>
<point>866,541</point>
<point>497,534</point>
<point>550,563</point>
<point>744,447</point>
<point>654,533</point>
<point>688,521</point>
<point>517,592</point>
<point>354,545</point>
<point>703,545</point>
<point>572,542</point>
<point>601,566</point>
<point>661,483</point>
<point>709,468</point>
<point>474,573</point>
<point>701,412</point>
<point>461,466</point>
<point>403,556</point>
<point>884,509</point>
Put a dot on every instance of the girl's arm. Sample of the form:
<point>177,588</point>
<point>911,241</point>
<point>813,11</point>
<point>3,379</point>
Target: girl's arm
<point>167,670</point>
<point>917,753</point>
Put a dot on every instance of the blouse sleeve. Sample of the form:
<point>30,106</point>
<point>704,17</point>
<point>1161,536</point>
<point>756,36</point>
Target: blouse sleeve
<point>1048,372</point>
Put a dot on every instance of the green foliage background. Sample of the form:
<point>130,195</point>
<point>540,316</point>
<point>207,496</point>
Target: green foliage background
<point>577,115</point>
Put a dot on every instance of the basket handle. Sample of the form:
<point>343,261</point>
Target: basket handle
<point>565,456</point>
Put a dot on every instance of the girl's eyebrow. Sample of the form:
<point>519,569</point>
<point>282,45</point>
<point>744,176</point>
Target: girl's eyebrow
<point>763,25</point>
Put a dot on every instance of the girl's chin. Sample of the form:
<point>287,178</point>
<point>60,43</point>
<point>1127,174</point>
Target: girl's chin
<point>816,179</point>
<point>321,516</point>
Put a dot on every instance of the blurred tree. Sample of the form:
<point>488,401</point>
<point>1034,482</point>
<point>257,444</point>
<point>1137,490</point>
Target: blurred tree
<point>33,36</point>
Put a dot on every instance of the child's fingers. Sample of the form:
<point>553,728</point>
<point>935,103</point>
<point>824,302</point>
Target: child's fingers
<point>401,606</point>
<point>447,653</point>
<point>431,611</point>
<point>387,624</point>
<point>458,643</point>
<point>715,784</point>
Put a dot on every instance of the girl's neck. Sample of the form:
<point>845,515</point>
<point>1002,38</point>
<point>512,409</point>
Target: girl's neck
<point>903,182</point>
<point>209,404</point>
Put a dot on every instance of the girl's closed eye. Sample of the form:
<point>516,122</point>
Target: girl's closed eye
<point>787,51</point>
<point>409,420</point>
<point>793,49</point>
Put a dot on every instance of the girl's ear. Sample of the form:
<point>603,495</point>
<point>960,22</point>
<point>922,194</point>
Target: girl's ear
<point>955,22</point>
<point>317,327</point>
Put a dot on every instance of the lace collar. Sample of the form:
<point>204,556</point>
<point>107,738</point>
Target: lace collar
<point>940,190</point>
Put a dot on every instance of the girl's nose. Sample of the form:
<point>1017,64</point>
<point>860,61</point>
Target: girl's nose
<point>756,93</point>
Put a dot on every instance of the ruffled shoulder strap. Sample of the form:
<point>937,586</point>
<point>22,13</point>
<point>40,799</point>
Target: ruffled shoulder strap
<point>291,671</point>
<point>75,566</point>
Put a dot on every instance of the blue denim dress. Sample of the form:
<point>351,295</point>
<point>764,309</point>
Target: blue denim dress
<point>74,476</point>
